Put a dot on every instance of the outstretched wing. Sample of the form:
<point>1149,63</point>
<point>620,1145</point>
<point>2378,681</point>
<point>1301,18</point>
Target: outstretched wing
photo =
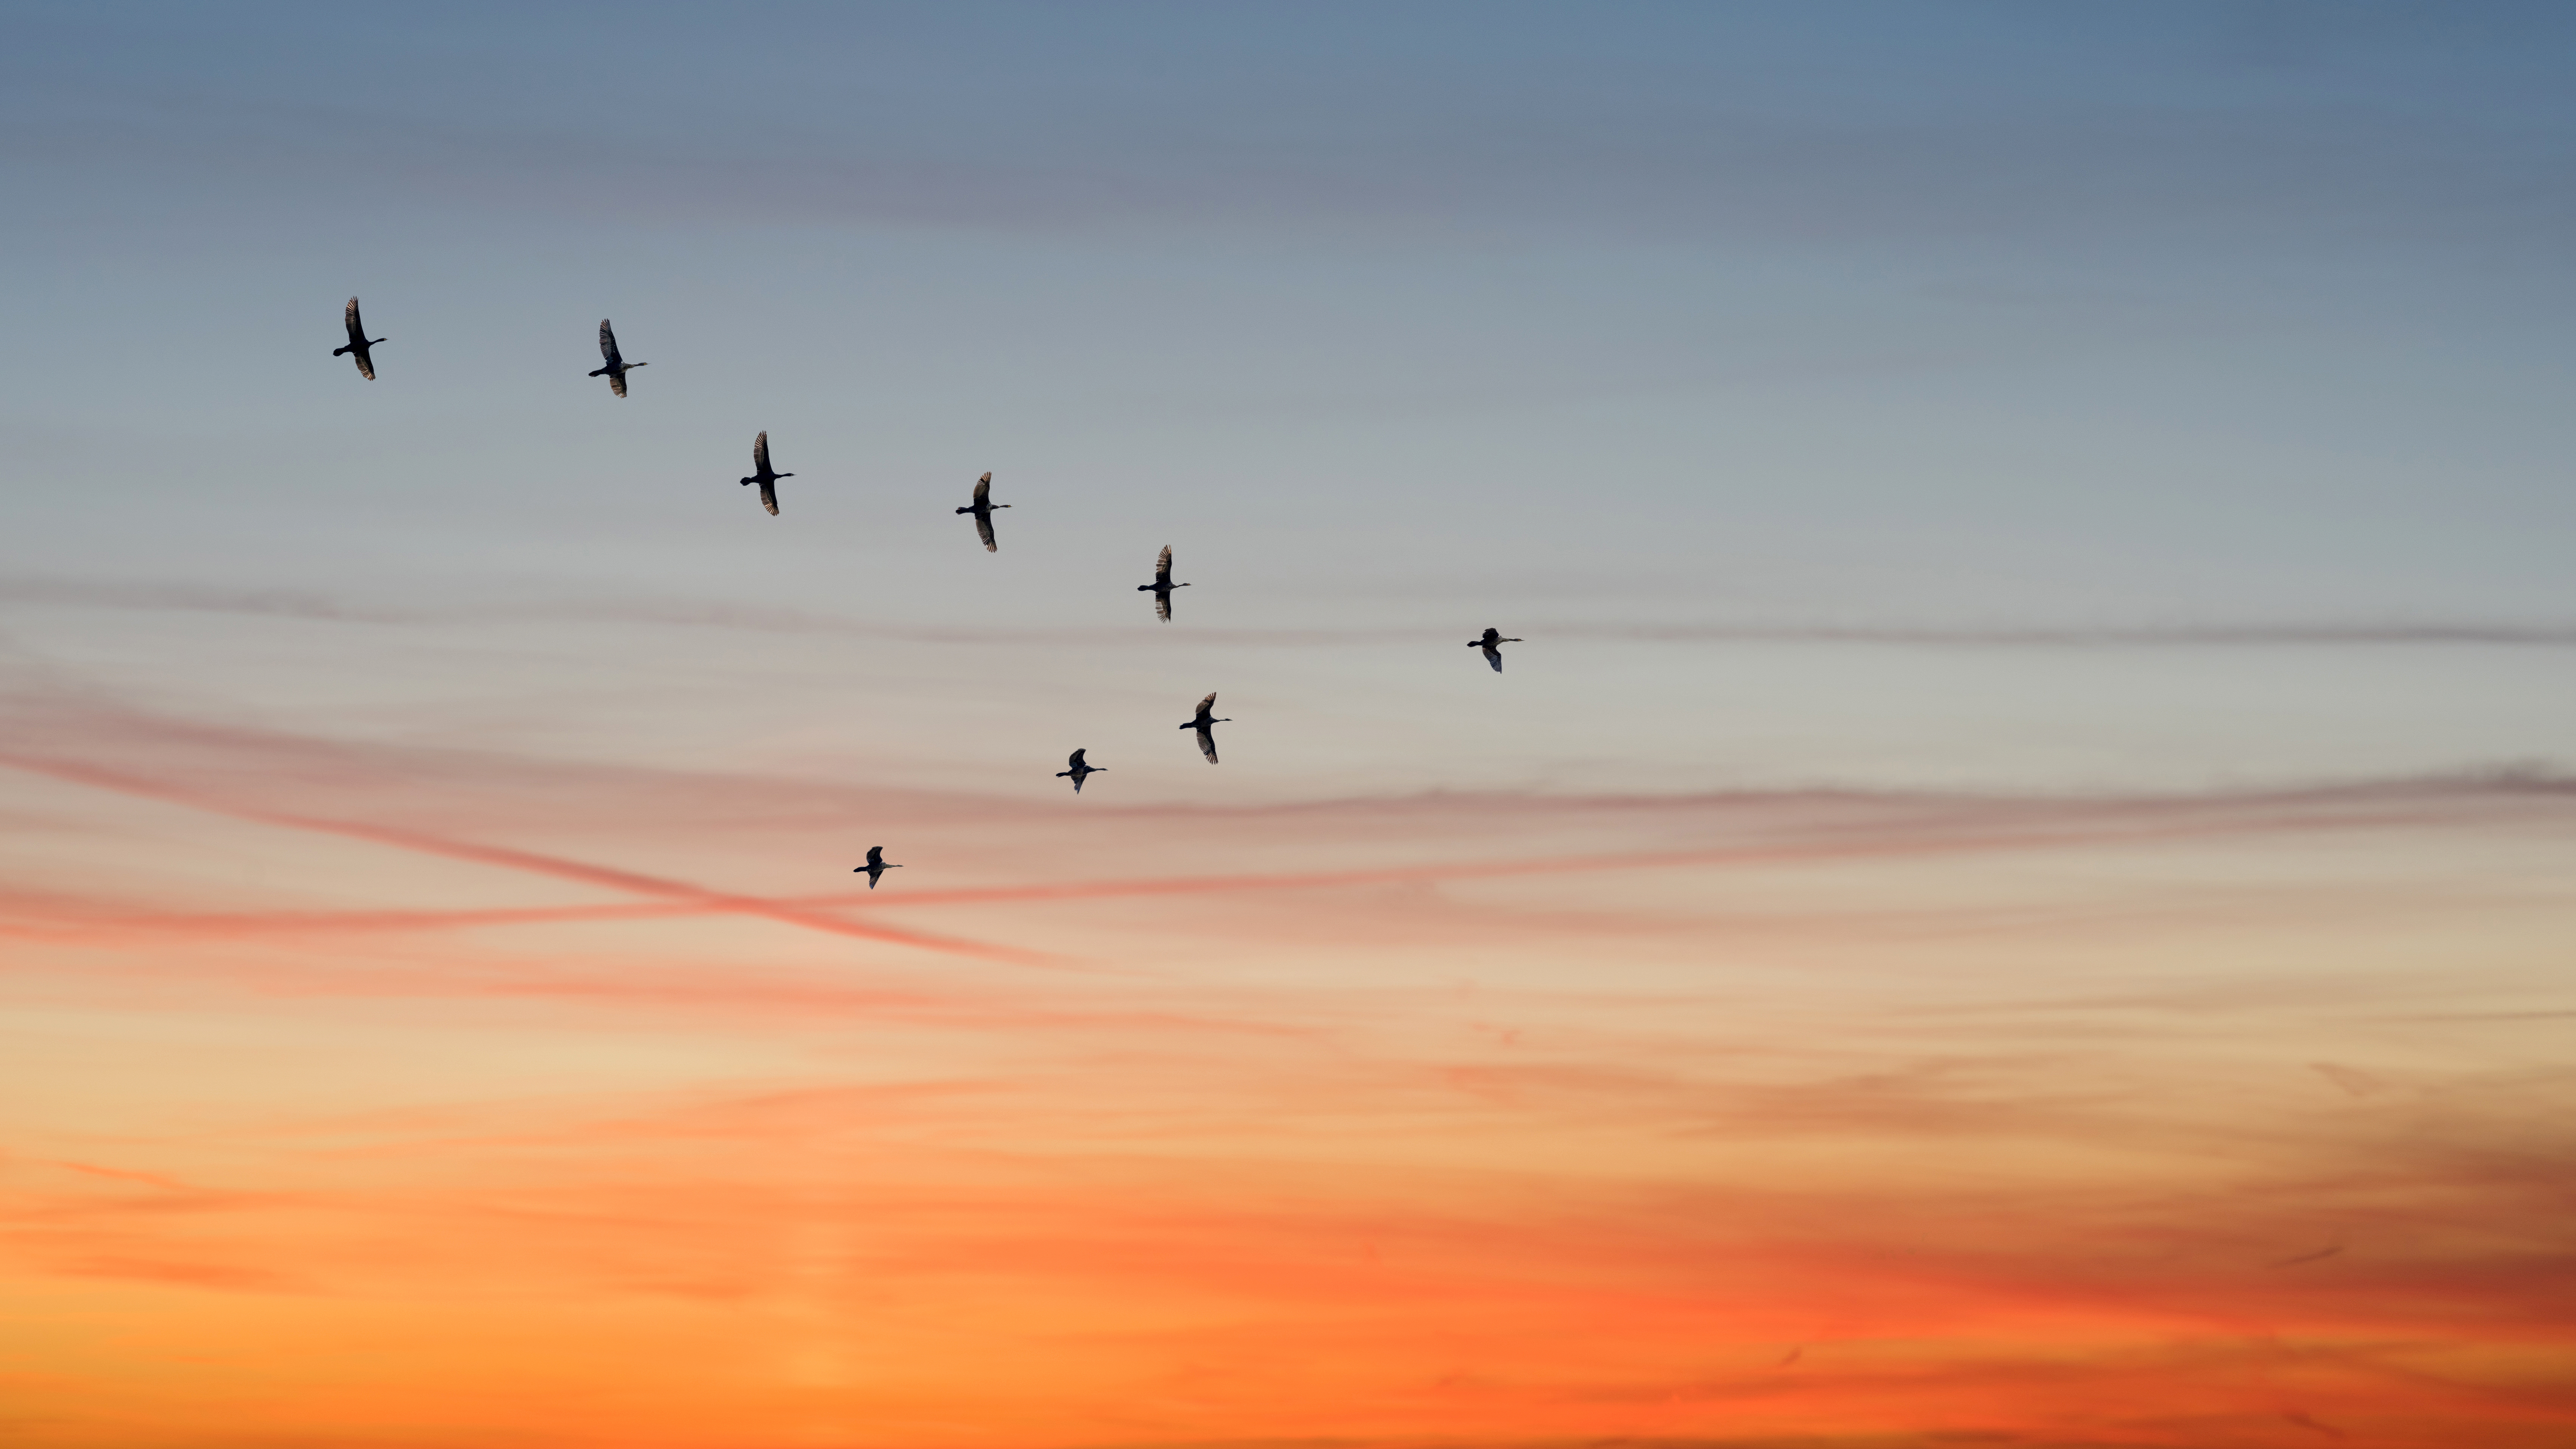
<point>769,495</point>
<point>760,460</point>
<point>357,348</point>
<point>1163,566</point>
<point>984,527</point>
<point>1207,706</point>
<point>607,343</point>
<point>1207,743</point>
<point>1494,657</point>
<point>983,489</point>
<point>876,855</point>
<point>1073,761</point>
<point>617,382</point>
<point>1163,605</point>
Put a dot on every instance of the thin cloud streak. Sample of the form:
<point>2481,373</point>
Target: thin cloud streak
<point>724,615</point>
<point>2219,635</point>
<point>2100,822</point>
<point>1858,827</point>
<point>522,860</point>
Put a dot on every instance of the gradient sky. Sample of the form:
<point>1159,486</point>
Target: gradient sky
<point>2018,890</point>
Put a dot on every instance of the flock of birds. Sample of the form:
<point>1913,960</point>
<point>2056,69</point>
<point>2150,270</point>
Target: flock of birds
<point>615,367</point>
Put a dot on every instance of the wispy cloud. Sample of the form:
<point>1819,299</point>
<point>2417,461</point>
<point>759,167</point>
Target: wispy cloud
<point>427,803</point>
<point>681,613</point>
<point>532,862</point>
<point>1343,1128</point>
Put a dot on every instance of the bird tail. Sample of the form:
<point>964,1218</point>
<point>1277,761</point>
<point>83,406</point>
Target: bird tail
<point>340,351</point>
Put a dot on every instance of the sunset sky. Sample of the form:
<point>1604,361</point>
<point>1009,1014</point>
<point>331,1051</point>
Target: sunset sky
<point>2020,889</point>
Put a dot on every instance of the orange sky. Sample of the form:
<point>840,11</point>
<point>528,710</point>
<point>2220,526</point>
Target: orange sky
<point>369,1094</point>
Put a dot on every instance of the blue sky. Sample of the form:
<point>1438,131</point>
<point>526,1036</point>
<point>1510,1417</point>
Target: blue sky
<point>1975,318</point>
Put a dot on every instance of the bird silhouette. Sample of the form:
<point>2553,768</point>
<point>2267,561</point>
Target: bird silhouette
<point>1206,727</point>
<point>1078,770</point>
<point>1162,586</point>
<point>359,342</point>
<point>615,371</point>
<point>761,475</point>
<point>982,508</point>
<point>1493,656</point>
<point>877,865</point>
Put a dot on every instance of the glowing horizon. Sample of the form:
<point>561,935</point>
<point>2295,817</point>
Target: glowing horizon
<point>1193,1141</point>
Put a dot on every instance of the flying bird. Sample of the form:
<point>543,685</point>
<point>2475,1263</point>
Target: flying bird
<point>1162,586</point>
<point>359,342</point>
<point>617,366</point>
<point>877,865</point>
<point>982,508</point>
<point>1078,770</point>
<point>760,474</point>
<point>1206,727</point>
<point>1493,656</point>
